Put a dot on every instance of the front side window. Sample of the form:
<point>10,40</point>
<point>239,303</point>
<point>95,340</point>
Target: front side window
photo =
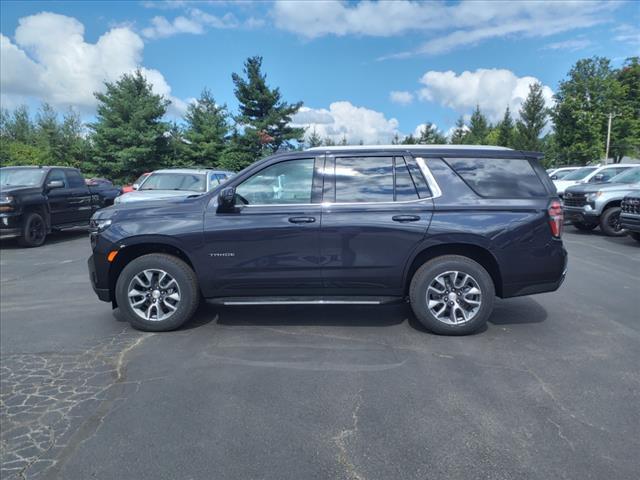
<point>283,183</point>
<point>57,175</point>
<point>192,182</point>
<point>364,179</point>
<point>499,177</point>
<point>580,173</point>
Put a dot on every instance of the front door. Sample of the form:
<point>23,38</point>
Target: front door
<point>270,244</point>
<point>375,214</point>
<point>59,198</point>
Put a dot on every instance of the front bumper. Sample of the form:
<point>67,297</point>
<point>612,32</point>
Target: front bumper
<point>103,293</point>
<point>10,225</point>
<point>630,222</point>
<point>581,214</point>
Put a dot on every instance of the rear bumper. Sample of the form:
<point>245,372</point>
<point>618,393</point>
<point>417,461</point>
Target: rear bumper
<point>520,289</point>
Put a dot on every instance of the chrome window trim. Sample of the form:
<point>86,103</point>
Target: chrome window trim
<point>431,181</point>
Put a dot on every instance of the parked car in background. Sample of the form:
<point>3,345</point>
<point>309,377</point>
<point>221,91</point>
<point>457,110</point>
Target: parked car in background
<point>593,174</point>
<point>135,185</point>
<point>559,173</point>
<point>175,183</point>
<point>445,227</point>
<point>36,200</point>
<point>98,182</point>
<point>590,205</point>
<point>630,214</point>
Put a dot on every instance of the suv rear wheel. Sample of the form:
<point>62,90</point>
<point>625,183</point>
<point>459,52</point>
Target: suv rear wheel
<point>157,292</point>
<point>610,222</point>
<point>452,295</point>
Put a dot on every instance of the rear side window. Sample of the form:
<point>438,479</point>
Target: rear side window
<point>74,179</point>
<point>364,179</point>
<point>499,177</point>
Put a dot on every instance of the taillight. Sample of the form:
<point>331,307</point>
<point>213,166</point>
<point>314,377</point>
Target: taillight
<point>556,218</point>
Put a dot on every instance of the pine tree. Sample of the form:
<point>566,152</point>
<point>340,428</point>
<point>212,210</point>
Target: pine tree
<point>460,133</point>
<point>48,135</point>
<point>343,140</point>
<point>409,140</point>
<point>478,128</point>
<point>263,115</point>
<point>505,130</point>
<point>129,134</point>
<point>206,131</point>
<point>533,118</point>
<point>430,135</point>
<point>19,125</point>
<point>314,139</point>
<point>625,130</point>
<point>396,139</point>
<point>328,142</point>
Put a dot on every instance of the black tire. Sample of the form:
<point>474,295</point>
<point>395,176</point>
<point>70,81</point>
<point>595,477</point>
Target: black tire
<point>34,230</point>
<point>427,274</point>
<point>584,227</point>
<point>183,275</point>
<point>610,223</point>
<point>635,236</point>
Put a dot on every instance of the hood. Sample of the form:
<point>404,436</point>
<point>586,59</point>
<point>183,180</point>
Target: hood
<point>18,189</point>
<point>148,195</point>
<point>561,185</point>
<point>601,187</point>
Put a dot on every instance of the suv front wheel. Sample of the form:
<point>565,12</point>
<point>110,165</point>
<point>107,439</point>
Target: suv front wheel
<point>452,295</point>
<point>157,292</point>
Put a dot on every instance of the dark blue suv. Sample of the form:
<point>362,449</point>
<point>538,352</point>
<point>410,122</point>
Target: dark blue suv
<point>445,227</point>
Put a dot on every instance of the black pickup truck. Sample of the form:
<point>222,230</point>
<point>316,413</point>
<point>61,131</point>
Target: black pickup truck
<point>36,200</point>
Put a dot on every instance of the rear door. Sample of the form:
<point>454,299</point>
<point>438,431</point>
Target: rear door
<point>79,199</point>
<point>376,209</point>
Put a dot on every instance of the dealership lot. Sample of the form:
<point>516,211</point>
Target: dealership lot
<point>551,389</point>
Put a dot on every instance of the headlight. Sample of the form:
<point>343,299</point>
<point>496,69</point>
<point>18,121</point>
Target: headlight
<point>99,225</point>
<point>6,203</point>
<point>593,196</point>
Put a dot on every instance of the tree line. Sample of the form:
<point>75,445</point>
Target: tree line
<point>131,135</point>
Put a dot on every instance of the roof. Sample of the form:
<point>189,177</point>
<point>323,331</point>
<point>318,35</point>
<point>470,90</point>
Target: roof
<point>405,147</point>
<point>200,171</point>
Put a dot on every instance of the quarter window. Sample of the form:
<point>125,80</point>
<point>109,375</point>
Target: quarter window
<point>405,189</point>
<point>499,177</point>
<point>283,183</point>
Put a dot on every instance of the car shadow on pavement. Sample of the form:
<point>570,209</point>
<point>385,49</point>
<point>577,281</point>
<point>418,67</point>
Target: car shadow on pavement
<point>52,239</point>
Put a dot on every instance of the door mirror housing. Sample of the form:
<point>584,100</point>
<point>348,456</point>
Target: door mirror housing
<point>227,200</point>
<point>598,178</point>
<point>55,184</point>
<point>135,186</point>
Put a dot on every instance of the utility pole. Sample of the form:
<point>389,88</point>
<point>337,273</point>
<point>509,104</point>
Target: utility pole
<point>606,155</point>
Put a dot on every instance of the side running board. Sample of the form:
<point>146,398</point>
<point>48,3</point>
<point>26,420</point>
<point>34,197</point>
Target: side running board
<point>324,300</point>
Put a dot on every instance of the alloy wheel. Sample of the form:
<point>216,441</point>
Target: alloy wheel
<point>454,297</point>
<point>153,295</point>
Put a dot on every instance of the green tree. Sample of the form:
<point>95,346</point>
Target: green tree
<point>129,133</point>
<point>329,142</point>
<point>625,131</point>
<point>314,139</point>
<point>506,130</point>
<point>409,140</point>
<point>478,128</point>
<point>533,118</point>
<point>74,143</point>
<point>206,132</point>
<point>20,127</point>
<point>264,117</point>
<point>430,135</point>
<point>460,132</point>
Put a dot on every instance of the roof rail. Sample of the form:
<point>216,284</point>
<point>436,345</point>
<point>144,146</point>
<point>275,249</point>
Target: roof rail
<point>404,147</point>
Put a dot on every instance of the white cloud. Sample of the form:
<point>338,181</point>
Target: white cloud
<point>345,119</point>
<point>627,34</point>
<point>162,28</point>
<point>471,21</point>
<point>51,61</point>
<point>492,89</point>
<point>401,97</point>
<point>195,21</point>
<point>571,45</point>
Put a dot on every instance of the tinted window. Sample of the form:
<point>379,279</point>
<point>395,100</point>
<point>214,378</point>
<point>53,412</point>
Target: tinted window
<point>57,175</point>
<point>405,189</point>
<point>364,179</point>
<point>74,179</point>
<point>282,183</point>
<point>628,176</point>
<point>418,179</point>
<point>606,174</point>
<point>195,182</point>
<point>580,173</point>
<point>507,178</point>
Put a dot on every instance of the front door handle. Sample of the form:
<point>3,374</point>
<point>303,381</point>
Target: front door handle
<point>302,219</point>
<point>405,218</point>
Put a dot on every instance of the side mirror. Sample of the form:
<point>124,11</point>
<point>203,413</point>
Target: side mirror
<point>55,184</point>
<point>136,186</point>
<point>554,177</point>
<point>227,200</point>
<point>598,178</point>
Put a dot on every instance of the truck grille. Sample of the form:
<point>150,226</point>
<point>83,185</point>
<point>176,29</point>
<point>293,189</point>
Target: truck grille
<point>574,199</point>
<point>631,205</point>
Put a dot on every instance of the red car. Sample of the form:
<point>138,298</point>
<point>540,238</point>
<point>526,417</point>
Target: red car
<point>136,184</point>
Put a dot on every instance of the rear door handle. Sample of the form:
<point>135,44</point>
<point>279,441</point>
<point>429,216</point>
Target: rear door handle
<point>405,218</point>
<point>302,219</point>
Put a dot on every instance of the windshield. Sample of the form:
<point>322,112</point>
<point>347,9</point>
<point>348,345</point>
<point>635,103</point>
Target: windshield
<point>13,177</point>
<point>562,174</point>
<point>175,181</point>
<point>580,173</point>
<point>629,176</point>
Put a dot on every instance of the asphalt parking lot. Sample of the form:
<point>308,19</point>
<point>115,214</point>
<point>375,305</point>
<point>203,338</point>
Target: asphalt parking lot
<point>551,389</point>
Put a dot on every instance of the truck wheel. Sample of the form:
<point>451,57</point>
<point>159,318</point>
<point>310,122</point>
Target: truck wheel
<point>34,230</point>
<point>584,227</point>
<point>610,223</point>
<point>157,292</point>
<point>452,295</point>
<point>635,236</point>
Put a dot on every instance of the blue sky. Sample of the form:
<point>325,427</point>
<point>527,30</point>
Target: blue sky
<point>363,69</point>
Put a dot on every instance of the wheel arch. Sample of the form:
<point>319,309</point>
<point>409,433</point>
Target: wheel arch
<point>475,252</point>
